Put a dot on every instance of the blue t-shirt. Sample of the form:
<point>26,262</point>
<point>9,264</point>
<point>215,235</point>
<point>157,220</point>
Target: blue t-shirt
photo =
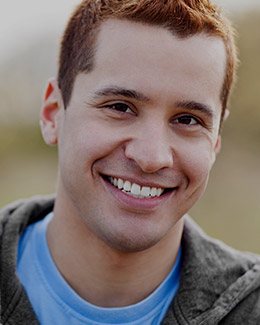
<point>55,302</point>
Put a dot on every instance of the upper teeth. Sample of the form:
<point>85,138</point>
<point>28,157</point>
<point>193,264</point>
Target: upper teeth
<point>136,189</point>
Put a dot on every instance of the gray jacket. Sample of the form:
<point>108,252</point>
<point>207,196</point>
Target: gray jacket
<point>219,285</point>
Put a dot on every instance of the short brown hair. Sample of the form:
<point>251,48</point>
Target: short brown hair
<point>182,17</point>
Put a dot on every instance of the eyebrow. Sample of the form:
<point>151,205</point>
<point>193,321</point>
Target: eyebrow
<point>195,106</point>
<point>120,92</point>
<point>133,94</point>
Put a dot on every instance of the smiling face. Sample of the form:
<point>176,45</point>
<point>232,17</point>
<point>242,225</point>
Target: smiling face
<point>140,135</point>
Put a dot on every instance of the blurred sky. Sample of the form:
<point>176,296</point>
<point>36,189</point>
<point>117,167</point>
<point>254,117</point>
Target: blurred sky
<point>21,21</point>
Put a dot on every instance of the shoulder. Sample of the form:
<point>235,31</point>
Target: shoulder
<point>217,281</point>
<point>214,253</point>
<point>25,209</point>
<point>14,218</point>
<point>247,310</point>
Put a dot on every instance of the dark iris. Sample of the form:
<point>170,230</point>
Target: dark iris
<point>186,120</point>
<point>120,107</point>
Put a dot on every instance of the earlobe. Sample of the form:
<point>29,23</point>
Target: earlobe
<point>50,112</point>
<point>218,145</point>
<point>226,115</point>
<point>217,149</point>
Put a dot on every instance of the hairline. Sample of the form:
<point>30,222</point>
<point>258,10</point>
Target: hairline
<point>95,33</point>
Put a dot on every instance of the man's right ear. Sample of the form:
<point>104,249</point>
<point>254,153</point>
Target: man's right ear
<point>50,112</point>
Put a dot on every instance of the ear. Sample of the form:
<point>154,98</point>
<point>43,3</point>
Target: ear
<point>217,147</point>
<point>50,112</point>
<point>226,114</point>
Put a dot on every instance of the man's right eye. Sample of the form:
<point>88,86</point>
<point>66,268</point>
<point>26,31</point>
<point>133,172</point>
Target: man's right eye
<point>120,107</point>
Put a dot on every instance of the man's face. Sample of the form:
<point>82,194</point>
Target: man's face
<point>145,119</point>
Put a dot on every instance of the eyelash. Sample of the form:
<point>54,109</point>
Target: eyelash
<point>187,117</point>
<point>116,107</point>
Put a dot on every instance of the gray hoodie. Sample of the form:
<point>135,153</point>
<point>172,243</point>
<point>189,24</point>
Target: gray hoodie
<point>219,285</point>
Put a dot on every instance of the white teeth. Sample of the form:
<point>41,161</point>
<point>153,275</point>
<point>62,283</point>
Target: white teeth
<point>159,191</point>
<point>136,190</point>
<point>154,192</point>
<point>127,186</point>
<point>115,182</point>
<point>145,191</point>
<point>120,183</point>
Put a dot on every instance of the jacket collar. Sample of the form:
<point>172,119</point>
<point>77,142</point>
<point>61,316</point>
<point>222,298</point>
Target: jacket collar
<point>15,307</point>
<point>214,278</point>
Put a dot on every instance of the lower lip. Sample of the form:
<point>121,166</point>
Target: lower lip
<point>136,203</point>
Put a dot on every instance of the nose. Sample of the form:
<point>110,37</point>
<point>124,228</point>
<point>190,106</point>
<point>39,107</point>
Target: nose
<point>150,149</point>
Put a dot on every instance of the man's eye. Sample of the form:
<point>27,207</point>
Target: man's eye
<point>120,107</point>
<point>187,120</point>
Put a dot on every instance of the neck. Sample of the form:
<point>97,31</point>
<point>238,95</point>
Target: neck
<point>102,275</point>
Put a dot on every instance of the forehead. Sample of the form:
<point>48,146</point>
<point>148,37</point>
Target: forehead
<point>158,63</point>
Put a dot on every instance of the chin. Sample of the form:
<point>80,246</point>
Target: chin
<point>131,243</point>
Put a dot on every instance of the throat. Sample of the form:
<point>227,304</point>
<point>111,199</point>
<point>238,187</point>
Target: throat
<point>102,275</point>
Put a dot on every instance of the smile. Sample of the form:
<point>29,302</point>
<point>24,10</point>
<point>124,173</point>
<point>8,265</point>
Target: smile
<point>136,190</point>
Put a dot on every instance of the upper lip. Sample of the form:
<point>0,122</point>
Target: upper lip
<point>139,181</point>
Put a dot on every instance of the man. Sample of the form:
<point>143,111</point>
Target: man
<point>136,113</point>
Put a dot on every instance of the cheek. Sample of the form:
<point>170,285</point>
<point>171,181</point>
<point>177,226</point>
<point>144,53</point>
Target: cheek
<point>197,161</point>
<point>87,143</point>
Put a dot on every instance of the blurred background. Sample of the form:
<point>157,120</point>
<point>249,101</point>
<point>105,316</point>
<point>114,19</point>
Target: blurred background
<point>29,36</point>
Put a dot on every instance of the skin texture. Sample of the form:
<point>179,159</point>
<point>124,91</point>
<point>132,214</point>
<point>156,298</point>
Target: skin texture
<point>167,136</point>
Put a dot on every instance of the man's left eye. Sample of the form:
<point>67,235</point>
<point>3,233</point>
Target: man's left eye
<point>187,120</point>
<point>120,107</point>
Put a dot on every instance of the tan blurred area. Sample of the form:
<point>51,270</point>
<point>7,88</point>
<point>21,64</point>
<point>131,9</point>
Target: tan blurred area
<point>230,209</point>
